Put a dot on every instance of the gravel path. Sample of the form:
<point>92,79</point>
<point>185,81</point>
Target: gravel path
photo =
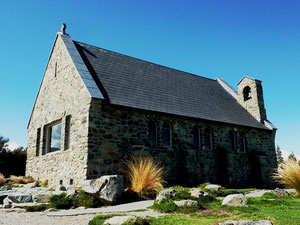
<point>18,218</point>
<point>73,216</point>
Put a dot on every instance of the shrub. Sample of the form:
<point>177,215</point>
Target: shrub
<point>37,208</point>
<point>61,201</point>
<point>42,184</point>
<point>2,179</point>
<point>288,174</point>
<point>145,176</point>
<point>21,179</point>
<point>165,206</point>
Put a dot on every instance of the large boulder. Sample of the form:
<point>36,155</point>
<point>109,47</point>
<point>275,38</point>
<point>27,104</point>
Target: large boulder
<point>188,203</point>
<point>213,187</point>
<point>246,222</point>
<point>280,192</point>
<point>108,188</point>
<point>166,193</point>
<point>42,197</point>
<point>198,193</point>
<point>235,200</point>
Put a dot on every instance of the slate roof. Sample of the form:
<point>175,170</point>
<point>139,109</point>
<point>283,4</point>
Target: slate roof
<point>131,82</point>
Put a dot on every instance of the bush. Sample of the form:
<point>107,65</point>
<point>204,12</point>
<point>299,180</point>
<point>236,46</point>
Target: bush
<point>165,206</point>
<point>37,208</point>
<point>145,176</point>
<point>288,174</point>
<point>61,201</point>
<point>2,180</point>
<point>21,179</point>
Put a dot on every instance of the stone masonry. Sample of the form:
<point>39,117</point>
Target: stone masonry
<point>62,93</point>
<point>117,133</point>
<point>103,136</point>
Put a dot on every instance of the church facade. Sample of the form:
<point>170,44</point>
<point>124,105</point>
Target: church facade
<point>96,108</point>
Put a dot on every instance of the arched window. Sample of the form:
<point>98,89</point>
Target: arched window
<point>167,135</point>
<point>208,139</point>
<point>242,143</point>
<point>152,131</point>
<point>247,93</point>
<point>196,137</point>
<point>232,141</point>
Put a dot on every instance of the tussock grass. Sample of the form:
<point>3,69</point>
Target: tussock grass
<point>21,179</point>
<point>145,176</point>
<point>2,179</point>
<point>288,174</point>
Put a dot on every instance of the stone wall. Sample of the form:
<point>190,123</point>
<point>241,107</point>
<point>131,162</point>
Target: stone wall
<point>255,104</point>
<point>62,93</point>
<point>117,133</point>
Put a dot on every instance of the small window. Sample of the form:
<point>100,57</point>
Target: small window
<point>232,141</point>
<point>247,93</point>
<point>167,135</point>
<point>54,137</point>
<point>67,132</point>
<point>38,142</point>
<point>152,130</point>
<point>208,139</point>
<point>196,137</point>
<point>242,143</point>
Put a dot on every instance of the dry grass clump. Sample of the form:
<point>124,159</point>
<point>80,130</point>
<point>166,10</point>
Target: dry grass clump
<point>21,179</point>
<point>145,176</point>
<point>2,179</point>
<point>288,174</point>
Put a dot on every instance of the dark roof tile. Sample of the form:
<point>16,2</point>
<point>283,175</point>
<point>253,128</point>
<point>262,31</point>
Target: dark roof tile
<point>140,84</point>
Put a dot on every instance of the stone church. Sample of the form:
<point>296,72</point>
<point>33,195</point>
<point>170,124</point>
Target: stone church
<point>96,108</point>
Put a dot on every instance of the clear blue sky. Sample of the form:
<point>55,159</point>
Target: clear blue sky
<point>213,38</point>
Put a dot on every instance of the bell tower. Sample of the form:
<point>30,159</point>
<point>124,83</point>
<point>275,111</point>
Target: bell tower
<point>250,96</point>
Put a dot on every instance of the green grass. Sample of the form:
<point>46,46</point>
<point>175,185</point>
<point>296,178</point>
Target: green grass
<point>99,220</point>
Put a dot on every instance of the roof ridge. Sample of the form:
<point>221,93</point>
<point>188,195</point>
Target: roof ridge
<point>167,67</point>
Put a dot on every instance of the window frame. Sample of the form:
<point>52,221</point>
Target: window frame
<point>155,133</point>
<point>233,142</point>
<point>49,136</point>
<point>67,137</point>
<point>38,142</point>
<point>242,142</point>
<point>170,134</point>
<point>209,132</point>
<point>198,134</point>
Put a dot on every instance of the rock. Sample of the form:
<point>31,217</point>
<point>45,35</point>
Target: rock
<point>166,193</point>
<point>257,193</point>
<point>117,220</point>
<point>7,203</point>
<point>71,191</point>
<point>42,197</point>
<point>213,187</point>
<point>108,188</point>
<point>20,198</point>
<point>6,188</point>
<point>246,222</point>
<point>112,188</point>
<point>235,200</point>
<point>188,203</point>
<point>197,193</point>
<point>280,192</point>
<point>30,185</point>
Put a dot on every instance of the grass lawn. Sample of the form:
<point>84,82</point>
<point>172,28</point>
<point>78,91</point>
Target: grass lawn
<point>280,211</point>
